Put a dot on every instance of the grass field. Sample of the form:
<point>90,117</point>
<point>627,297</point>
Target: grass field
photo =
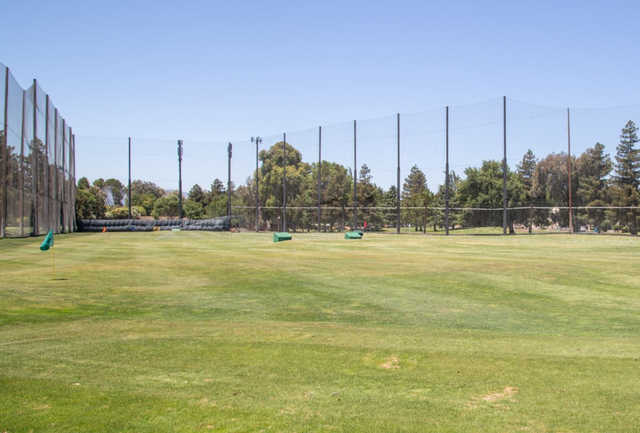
<point>220,332</point>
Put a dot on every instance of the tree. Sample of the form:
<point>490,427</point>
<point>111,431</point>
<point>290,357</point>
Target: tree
<point>416,194</point>
<point>483,188</point>
<point>166,206</point>
<point>145,194</point>
<point>197,195</point>
<point>526,169</point>
<point>369,196</point>
<point>551,188</point>
<point>271,177</point>
<point>593,168</point>
<point>627,178</point>
<point>83,183</point>
<point>192,209</point>
<point>90,201</point>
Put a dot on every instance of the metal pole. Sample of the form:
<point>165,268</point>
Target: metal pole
<point>35,151</point>
<point>129,188</point>
<point>398,177</point>
<point>284,182</point>
<point>180,214</point>
<point>504,165</point>
<point>446,173</point>
<point>47,177</point>
<point>21,175</point>
<point>56,183</point>
<point>569,170</point>
<point>229,153</point>
<point>355,178</point>
<point>258,140</point>
<point>319,174</point>
<point>5,159</point>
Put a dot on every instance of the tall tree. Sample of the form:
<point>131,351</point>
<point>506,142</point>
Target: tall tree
<point>415,194</point>
<point>593,168</point>
<point>627,178</point>
<point>526,169</point>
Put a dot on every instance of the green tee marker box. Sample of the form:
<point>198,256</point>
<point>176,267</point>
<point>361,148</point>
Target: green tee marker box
<point>281,236</point>
<point>353,235</point>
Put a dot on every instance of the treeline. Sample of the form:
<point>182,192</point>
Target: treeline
<point>598,180</point>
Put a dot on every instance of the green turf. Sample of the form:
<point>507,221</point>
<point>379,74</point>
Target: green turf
<point>220,332</point>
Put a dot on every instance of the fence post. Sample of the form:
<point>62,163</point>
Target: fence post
<point>284,182</point>
<point>398,175</point>
<point>319,176</point>
<point>129,183</point>
<point>504,165</point>
<point>5,164</point>
<point>446,173</point>
<point>569,170</point>
<point>355,178</point>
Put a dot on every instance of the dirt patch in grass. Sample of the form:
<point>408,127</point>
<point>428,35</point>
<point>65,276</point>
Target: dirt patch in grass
<point>391,363</point>
<point>494,397</point>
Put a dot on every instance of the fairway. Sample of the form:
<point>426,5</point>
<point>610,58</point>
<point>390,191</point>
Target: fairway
<point>229,332</point>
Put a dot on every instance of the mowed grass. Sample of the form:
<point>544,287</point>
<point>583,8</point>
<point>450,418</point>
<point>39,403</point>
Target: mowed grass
<point>221,332</point>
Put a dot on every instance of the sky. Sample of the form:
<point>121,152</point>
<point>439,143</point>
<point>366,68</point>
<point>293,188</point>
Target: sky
<point>211,72</point>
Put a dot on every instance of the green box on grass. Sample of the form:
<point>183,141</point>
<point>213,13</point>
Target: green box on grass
<point>281,236</point>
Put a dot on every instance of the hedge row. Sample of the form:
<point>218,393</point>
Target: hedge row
<point>98,225</point>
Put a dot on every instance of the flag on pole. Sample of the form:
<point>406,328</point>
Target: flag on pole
<point>47,242</point>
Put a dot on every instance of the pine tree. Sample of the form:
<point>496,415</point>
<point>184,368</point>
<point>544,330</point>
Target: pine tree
<point>627,178</point>
<point>414,194</point>
<point>593,168</point>
<point>526,170</point>
<point>628,157</point>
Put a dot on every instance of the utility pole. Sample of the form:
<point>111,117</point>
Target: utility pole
<point>180,178</point>
<point>129,187</point>
<point>229,151</point>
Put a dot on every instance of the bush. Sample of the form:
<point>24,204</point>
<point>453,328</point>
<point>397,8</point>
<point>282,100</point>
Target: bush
<point>122,212</point>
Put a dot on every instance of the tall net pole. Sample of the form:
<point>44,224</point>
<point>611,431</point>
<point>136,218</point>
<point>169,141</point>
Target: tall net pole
<point>319,175</point>
<point>229,153</point>
<point>398,174</point>
<point>569,170</point>
<point>284,182</point>
<point>257,140</point>
<point>446,173</point>
<point>129,185</point>
<point>35,200</point>
<point>355,178</point>
<point>5,158</point>
<point>180,178</point>
<point>504,165</point>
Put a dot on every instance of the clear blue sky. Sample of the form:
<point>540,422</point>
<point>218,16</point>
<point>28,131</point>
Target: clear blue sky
<point>210,72</point>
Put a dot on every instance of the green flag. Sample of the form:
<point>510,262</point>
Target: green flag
<point>47,242</point>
